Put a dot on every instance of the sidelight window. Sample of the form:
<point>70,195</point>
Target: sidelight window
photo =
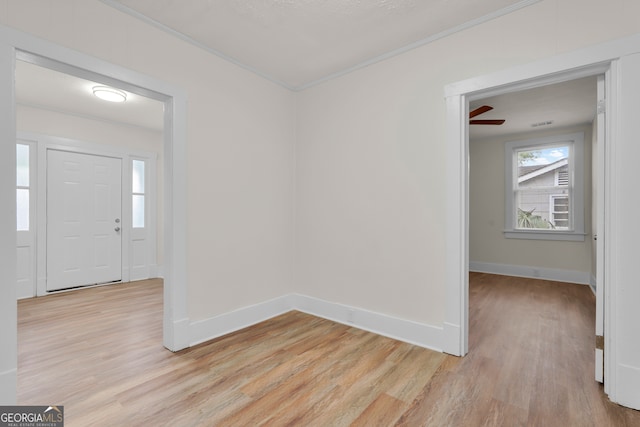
<point>23,187</point>
<point>138,194</point>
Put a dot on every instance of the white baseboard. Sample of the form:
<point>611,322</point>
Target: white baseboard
<point>559,275</point>
<point>452,340</point>
<point>628,378</point>
<point>419,334</point>
<point>214,327</point>
<point>8,387</point>
<point>25,291</point>
<point>180,333</point>
<point>599,372</point>
<point>593,284</point>
<point>156,271</point>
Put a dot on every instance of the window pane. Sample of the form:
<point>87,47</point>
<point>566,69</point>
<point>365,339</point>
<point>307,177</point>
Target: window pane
<point>22,165</point>
<point>138,176</point>
<point>533,209</point>
<point>561,212</point>
<point>22,204</point>
<point>539,167</point>
<point>137,206</point>
<point>540,173</point>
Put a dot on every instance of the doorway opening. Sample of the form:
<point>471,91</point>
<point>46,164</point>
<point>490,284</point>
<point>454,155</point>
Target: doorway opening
<point>92,176</point>
<point>22,47</point>
<point>530,196</point>
<point>584,83</point>
<point>533,189</point>
<point>173,122</point>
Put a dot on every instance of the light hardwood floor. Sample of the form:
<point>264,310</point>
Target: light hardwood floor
<point>98,352</point>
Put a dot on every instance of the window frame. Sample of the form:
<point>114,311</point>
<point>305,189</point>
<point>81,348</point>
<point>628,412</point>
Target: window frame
<point>575,141</point>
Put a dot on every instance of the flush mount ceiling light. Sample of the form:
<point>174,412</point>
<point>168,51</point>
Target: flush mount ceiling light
<point>109,94</point>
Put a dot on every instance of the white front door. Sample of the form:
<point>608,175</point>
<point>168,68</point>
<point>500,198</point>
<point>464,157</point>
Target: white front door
<point>84,244</point>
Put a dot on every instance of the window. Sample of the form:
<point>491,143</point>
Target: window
<point>22,187</point>
<point>138,193</point>
<point>560,212</point>
<point>544,188</point>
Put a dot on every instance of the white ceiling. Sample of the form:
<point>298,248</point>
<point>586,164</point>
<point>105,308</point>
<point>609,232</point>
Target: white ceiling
<point>301,42</point>
<point>51,90</point>
<point>565,104</point>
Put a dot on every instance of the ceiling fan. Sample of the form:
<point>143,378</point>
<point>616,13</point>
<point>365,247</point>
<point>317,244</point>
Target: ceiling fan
<point>481,110</point>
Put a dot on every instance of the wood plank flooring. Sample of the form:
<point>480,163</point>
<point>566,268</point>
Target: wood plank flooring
<point>99,352</point>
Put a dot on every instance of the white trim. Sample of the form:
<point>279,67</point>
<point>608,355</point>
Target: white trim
<point>462,27</point>
<point>622,349</point>
<point>564,235</point>
<point>626,387</point>
<point>217,326</point>
<point>457,227</point>
<point>589,61</point>
<point>555,274</point>
<point>157,270</point>
<point>420,334</point>
<point>415,333</point>
<point>609,227</point>
<point>599,368</point>
<point>450,342</point>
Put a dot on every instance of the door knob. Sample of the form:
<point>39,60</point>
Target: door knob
<point>117,228</point>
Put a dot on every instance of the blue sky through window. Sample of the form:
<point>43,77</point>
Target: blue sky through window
<point>545,156</point>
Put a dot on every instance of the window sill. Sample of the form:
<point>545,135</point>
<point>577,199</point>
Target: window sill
<point>571,236</point>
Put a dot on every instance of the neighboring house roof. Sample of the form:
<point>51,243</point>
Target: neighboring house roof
<point>526,173</point>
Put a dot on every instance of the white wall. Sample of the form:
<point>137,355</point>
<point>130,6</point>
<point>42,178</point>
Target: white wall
<point>240,146</point>
<point>487,243</point>
<point>369,193</point>
<point>53,123</point>
<point>371,156</point>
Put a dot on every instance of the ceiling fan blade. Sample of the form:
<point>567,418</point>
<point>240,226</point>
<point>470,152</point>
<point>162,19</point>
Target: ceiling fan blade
<point>480,110</point>
<point>486,122</point>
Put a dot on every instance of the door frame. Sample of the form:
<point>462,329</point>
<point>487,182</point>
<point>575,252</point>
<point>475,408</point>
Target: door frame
<point>13,44</point>
<point>595,60</point>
